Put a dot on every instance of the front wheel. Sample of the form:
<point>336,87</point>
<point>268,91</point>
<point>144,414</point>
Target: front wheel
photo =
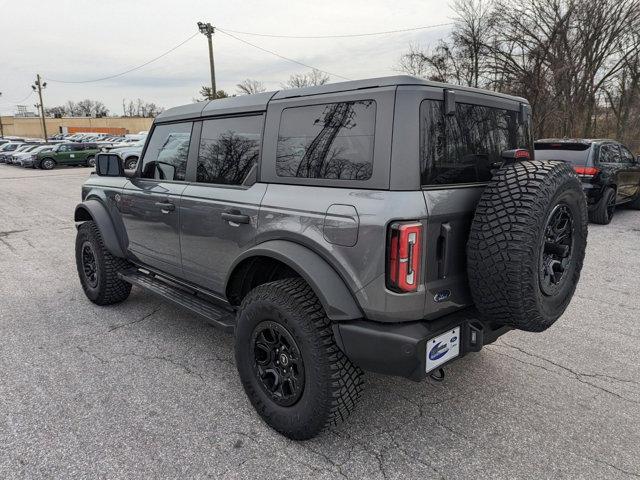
<point>98,268</point>
<point>47,163</point>
<point>91,161</point>
<point>131,163</point>
<point>293,372</point>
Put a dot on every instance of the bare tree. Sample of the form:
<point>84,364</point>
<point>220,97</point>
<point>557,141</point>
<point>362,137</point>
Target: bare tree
<point>575,61</point>
<point>140,108</point>
<point>249,87</point>
<point>309,79</point>
<point>461,58</point>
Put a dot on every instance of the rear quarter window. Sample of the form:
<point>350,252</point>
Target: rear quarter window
<point>327,141</point>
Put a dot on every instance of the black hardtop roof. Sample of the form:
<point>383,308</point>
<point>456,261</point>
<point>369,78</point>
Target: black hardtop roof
<point>258,102</point>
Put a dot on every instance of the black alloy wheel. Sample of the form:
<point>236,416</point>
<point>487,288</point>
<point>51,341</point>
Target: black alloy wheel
<point>89,264</point>
<point>557,249</point>
<point>278,363</point>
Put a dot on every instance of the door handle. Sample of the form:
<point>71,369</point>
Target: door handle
<point>235,216</point>
<point>166,207</point>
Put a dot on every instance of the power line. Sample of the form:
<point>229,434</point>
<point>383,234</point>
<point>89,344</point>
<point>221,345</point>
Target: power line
<point>280,56</point>
<point>126,71</point>
<point>347,35</point>
<point>9,102</point>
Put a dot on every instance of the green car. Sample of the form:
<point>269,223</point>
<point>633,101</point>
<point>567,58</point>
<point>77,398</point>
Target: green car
<point>68,154</point>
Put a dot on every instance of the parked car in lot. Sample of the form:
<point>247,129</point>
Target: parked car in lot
<point>129,154</point>
<point>329,230</point>
<point>610,173</point>
<point>7,150</point>
<point>28,159</point>
<point>25,150</point>
<point>24,147</point>
<point>68,154</point>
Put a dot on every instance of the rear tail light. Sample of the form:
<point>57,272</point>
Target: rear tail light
<point>586,171</point>
<point>521,154</point>
<point>404,256</point>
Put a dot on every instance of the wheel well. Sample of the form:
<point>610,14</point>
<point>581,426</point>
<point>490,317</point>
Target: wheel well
<point>255,271</point>
<point>82,215</point>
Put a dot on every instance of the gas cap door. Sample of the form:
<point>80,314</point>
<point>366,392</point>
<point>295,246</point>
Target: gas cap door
<point>341,223</point>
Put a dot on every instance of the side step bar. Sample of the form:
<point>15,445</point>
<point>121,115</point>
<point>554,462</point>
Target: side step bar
<point>218,316</point>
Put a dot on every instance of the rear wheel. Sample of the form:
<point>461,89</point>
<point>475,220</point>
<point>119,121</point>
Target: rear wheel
<point>293,372</point>
<point>603,211</point>
<point>527,244</point>
<point>47,164</point>
<point>91,161</point>
<point>636,203</point>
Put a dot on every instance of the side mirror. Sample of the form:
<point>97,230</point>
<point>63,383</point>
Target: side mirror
<point>109,165</point>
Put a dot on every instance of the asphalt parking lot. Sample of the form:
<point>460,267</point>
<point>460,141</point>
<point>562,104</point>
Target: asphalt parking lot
<point>145,390</point>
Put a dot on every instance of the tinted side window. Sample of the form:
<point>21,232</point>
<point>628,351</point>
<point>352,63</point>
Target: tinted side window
<point>329,141</point>
<point>229,148</point>
<point>464,147</point>
<point>608,153</point>
<point>166,154</point>
<point>627,156</point>
<point>77,148</point>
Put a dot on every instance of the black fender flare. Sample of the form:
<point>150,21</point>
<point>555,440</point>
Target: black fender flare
<point>332,291</point>
<point>94,210</point>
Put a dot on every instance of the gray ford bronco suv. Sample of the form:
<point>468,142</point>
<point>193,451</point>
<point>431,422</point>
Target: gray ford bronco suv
<point>391,225</point>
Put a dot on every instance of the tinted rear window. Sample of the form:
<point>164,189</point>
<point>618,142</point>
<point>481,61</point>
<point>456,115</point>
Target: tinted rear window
<point>465,147</point>
<point>575,153</point>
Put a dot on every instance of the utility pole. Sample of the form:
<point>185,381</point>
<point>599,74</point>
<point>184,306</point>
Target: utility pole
<point>37,87</point>
<point>207,29</point>
<point>1,127</point>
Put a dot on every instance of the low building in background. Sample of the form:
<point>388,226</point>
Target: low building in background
<point>32,126</point>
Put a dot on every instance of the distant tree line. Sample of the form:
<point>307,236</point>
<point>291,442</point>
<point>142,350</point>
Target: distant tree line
<point>95,108</point>
<point>83,108</point>
<point>576,61</point>
<point>250,86</point>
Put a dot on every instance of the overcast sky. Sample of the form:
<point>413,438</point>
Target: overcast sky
<point>81,40</point>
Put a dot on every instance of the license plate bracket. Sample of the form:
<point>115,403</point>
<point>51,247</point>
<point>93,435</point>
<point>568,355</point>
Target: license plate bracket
<point>442,348</point>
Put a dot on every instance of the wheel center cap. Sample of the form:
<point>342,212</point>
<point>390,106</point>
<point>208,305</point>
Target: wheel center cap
<point>284,360</point>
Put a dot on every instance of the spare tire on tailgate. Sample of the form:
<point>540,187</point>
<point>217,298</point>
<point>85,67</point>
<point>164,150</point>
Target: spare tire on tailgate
<point>527,244</point>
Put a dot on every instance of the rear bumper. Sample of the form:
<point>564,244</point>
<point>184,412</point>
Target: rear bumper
<point>399,349</point>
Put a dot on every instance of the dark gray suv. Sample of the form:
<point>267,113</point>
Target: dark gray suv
<point>390,225</point>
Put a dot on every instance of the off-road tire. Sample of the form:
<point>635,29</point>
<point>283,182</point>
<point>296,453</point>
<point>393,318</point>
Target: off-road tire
<point>91,161</point>
<point>601,213</point>
<point>332,384</point>
<point>47,163</point>
<point>109,288</point>
<point>507,238</point>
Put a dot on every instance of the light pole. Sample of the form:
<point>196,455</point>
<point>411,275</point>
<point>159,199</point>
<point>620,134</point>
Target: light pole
<point>37,87</point>
<point>207,29</point>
